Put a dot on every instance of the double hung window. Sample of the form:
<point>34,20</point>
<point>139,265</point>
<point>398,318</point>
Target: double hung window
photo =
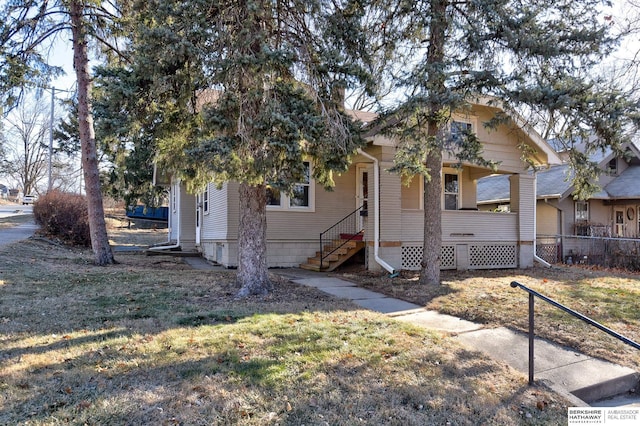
<point>301,197</point>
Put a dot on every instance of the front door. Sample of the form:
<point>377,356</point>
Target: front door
<point>362,194</point>
<point>619,223</point>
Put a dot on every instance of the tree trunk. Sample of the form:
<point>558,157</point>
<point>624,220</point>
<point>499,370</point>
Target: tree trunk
<point>97,225</point>
<point>432,239</point>
<point>253,274</point>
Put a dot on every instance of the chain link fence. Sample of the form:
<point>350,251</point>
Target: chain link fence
<point>603,251</point>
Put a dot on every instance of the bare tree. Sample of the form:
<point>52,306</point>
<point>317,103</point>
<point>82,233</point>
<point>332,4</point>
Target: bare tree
<point>25,153</point>
<point>27,28</point>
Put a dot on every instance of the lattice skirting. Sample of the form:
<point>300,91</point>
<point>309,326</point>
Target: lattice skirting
<point>490,256</point>
<point>474,256</point>
<point>548,252</point>
<point>412,256</point>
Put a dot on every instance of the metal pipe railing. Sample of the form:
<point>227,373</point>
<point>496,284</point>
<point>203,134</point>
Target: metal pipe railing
<point>560,306</point>
<point>346,225</point>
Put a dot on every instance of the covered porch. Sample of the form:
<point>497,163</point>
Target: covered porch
<point>471,239</point>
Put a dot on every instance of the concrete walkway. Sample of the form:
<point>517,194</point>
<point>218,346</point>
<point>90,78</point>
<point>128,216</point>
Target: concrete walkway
<point>581,379</point>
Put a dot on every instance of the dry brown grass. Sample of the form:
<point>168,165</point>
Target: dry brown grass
<point>150,341</point>
<point>610,297</point>
<point>121,235</point>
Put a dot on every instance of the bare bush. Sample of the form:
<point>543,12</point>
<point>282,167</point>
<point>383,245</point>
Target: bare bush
<point>63,215</point>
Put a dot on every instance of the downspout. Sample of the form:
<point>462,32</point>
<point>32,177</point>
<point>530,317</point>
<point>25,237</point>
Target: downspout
<point>163,247</point>
<point>535,222</point>
<point>376,210</point>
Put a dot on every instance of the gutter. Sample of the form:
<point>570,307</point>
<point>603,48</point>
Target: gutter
<point>376,219</point>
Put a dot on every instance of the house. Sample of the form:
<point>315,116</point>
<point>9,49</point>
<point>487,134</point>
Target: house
<point>611,212</point>
<point>371,210</point>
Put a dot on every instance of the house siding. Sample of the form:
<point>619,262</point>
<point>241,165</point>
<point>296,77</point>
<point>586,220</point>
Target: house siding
<point>471,239</point>
<point>500,144</point>
<point>292,235</point>
<point>215,224</point>
<point>547,222</point>
<point>459,225</point>
<point>330,207</point>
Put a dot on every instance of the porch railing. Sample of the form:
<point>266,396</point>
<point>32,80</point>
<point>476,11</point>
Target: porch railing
<point>338,235</point>
<point>578,315</point>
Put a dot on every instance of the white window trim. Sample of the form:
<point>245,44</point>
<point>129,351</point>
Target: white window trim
<point>206,200</point>
<point>451,171</point>
<point>285,200</point>
<point>174,198</point>
<point>469,119</point>
<point>575,210</point>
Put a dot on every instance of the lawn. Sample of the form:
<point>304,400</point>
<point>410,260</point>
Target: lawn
<point>151,341</point>
<point>611,297</point>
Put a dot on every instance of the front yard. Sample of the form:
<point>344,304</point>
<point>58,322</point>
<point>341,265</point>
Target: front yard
<point>151,341</point>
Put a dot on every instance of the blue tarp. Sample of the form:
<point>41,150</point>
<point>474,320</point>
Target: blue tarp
<point>149,213</point>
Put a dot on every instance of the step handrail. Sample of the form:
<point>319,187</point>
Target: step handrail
<point>532,294</point>
<point>335,231</point>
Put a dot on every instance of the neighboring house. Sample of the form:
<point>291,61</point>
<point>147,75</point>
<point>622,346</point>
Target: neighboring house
<point>372,209</point>
<point>611,212</point>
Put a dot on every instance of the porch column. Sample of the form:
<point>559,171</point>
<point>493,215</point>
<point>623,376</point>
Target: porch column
<point>522,188</point>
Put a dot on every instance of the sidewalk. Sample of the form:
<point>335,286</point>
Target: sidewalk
<point>581,379</point>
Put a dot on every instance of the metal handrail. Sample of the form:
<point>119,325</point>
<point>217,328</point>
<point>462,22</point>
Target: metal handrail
<point>576,314</point>
<point>338,228</point>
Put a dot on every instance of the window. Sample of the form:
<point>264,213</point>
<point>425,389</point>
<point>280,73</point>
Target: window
<point>582,211</point>
<point>612,167</point>
<point>300,199</point>
<point>451,191</point>
<point>459,129</point>
<point>205,200</point>
<point>273,197</point>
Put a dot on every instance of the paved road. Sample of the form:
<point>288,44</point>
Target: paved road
<point>14,209</point>
<point>17,233</point>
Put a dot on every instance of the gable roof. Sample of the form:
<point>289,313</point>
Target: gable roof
<point>554,182</point>
<point>539,143</point>
<point>626,185</point>
<point>365,117</point>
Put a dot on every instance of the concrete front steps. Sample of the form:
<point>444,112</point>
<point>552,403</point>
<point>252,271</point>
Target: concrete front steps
<point>621,391</point>
<point>347,249</point>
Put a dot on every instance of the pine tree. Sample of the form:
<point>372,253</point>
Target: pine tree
<point>523,54</point>
<point>274,74</point>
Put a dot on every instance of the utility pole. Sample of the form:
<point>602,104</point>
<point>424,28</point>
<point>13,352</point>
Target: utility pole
<point>49,182</point>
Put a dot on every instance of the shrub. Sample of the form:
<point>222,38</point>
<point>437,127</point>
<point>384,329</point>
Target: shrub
<point>63,215</point>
